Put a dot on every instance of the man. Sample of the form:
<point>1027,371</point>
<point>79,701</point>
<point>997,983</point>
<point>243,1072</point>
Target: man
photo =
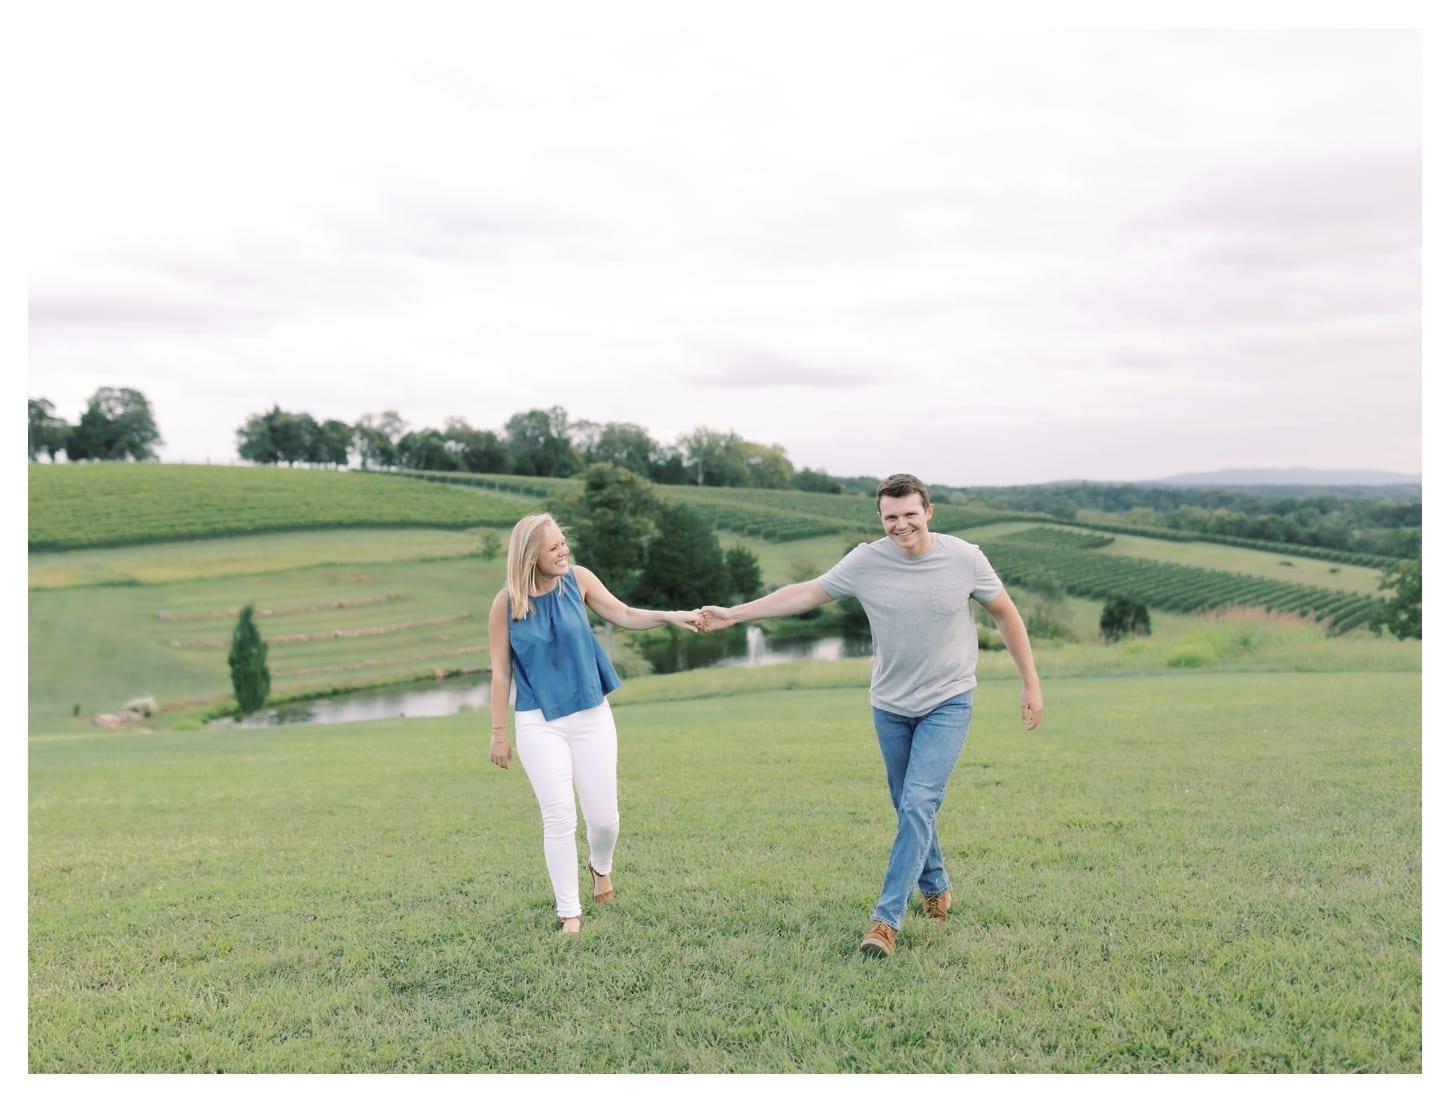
<point>916,587</point>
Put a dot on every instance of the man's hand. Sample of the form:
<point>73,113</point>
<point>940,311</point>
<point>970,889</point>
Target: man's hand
<point>717,617</point>
<point>1031,707</point>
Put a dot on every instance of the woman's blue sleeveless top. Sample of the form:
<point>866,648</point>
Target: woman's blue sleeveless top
<point>559,666</point>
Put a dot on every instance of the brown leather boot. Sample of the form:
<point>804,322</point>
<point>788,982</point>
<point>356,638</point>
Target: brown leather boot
<point>880,940</point>
<point>937,906</point>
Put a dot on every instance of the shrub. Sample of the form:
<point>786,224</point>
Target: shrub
<point>1124,616</point>
<point>1191,655</point>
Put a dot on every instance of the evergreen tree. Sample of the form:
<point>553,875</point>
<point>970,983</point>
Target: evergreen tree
<point>251,680</point>
<point>742,569</point>
<point>609,525</point>
<point>684,567</point>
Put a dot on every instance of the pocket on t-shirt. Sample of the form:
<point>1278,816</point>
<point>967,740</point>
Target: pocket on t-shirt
<point>948,600</point>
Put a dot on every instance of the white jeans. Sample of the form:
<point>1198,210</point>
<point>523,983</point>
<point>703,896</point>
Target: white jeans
<point>561,756</point>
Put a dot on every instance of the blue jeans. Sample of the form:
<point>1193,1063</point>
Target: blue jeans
<point>920,753</point>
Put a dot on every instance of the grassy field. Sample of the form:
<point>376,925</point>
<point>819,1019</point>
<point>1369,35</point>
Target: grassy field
<point>1192,872</point>
<point>1207,861</point>
<point>192,560</point>
<point>329,625</point>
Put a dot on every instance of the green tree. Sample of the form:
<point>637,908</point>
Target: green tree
<point>610,523</point>
<point>1400,612</point>
<point>48,433</point>
<point>714,458</point>
<point>742,574</point>
<point>667,466</point>
<point>768,467</point>
<point>254,438</point>
<point>331,444</point>
<point>684,567</point>
<point>539,443</point>
<point>623,444</point>
<point>251,680</point>
<point>426,450</point>
<point>375,438</point>
<point>278,436</point>
<point>1123,616</point>
<point>817,482</point>
<point>480,451</point>
<point>293,434</point>
<point>117,424</point>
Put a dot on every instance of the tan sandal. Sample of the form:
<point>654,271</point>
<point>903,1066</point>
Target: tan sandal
<point>563,929</point>
<point>600,896</point>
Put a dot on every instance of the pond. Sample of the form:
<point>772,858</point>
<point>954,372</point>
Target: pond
<point>751,647</point>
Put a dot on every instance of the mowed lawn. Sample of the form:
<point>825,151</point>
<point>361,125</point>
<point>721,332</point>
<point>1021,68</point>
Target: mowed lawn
<point>1188,872</point>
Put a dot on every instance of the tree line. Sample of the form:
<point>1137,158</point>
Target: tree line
<point>117,424</point>
<point>1376,520</point>
<point>540,442</point>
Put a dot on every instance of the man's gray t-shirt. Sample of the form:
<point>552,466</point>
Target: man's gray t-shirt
<point>922,629</point>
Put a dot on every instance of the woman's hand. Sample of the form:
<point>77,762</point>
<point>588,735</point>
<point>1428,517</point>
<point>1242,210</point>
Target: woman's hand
<point>694,619</point>
<point>500,752</point>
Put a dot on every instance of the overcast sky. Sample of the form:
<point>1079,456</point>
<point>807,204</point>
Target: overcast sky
<point>884,242</point>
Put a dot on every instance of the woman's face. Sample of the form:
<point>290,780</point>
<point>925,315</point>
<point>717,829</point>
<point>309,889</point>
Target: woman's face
<point>553,560</point>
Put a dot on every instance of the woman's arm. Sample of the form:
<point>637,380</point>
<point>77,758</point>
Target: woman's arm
<point>610,608</point>
<point>501,678</point>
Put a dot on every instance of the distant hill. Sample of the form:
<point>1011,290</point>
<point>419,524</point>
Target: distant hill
<point>1287,476</point>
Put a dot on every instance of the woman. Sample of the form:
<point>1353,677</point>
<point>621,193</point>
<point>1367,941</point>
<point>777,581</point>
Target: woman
<point>540,640</point>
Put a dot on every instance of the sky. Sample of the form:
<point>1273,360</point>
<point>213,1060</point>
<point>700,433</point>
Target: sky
<point>884,238</point>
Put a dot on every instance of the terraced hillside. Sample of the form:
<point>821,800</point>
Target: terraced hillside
<point>83,505</point>
<point>1083,564</point>
<point>778,516</point>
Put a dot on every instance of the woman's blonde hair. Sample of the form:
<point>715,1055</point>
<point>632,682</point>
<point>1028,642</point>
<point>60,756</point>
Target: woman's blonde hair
<point>523,561</point>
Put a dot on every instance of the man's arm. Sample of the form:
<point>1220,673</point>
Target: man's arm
<point>1014,634</point>
<point>789,600</point>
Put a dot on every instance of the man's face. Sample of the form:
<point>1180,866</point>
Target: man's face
<point>905,520</point>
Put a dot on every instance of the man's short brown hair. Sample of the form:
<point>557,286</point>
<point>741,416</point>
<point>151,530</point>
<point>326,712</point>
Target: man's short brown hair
<point>902,485</point>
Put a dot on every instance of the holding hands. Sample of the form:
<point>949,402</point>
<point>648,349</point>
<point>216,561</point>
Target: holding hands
<point>710,618</point>
<point>716,618</point>
<point>695,620</point>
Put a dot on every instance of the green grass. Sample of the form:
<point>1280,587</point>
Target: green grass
<point>1190,872</point>
<point>1199,865</point>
